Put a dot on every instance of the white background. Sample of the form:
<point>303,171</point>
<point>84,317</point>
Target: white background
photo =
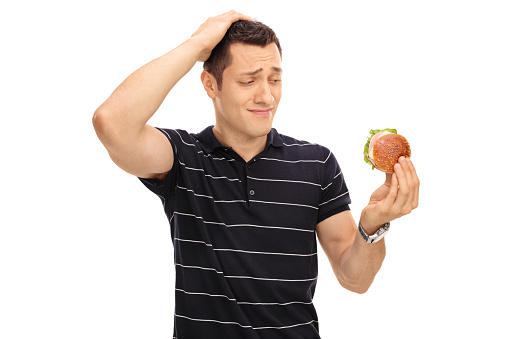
<point>85,249</point>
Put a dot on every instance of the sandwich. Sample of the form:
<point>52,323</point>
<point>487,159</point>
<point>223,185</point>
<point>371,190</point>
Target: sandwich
<point>384,148</point>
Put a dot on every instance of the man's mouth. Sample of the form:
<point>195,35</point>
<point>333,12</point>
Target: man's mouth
<point>261,111</point>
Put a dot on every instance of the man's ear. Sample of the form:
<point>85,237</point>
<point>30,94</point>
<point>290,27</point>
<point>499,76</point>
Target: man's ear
<point>209,83</point>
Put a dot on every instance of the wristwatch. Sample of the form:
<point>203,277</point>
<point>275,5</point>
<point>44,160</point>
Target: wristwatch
<point>382,231</point>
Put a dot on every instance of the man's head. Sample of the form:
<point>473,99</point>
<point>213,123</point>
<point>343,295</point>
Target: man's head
<point>244,81</point>
<point>241,32</point>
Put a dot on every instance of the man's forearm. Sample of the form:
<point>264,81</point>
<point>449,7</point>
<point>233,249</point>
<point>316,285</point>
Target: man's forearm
<point>359,264</point>
<point>139,96</point>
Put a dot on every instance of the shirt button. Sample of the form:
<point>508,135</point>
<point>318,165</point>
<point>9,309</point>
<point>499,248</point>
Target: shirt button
<point>248,166</point>
<point>252,192</point>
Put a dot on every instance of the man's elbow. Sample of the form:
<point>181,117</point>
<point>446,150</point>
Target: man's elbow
<point>360,289</point>
<point>99,122</point>
<point>105,128</point>
<point>359,284</point>
<point>356,288</point>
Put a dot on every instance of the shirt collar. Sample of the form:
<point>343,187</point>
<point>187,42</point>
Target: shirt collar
<point>209,141</point>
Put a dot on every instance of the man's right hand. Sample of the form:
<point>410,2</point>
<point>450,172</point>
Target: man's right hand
<point>121,121</point>
<point>213,30</point>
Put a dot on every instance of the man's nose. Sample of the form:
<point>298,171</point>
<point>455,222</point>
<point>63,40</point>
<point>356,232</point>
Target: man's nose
<point>264,94</point>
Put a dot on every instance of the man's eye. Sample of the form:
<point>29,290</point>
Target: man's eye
<point>246,82</point>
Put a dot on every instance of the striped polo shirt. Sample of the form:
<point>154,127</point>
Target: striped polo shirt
<point>243,233</point>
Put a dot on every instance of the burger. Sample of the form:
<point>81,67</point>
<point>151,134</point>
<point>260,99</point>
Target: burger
<point>384,148</point>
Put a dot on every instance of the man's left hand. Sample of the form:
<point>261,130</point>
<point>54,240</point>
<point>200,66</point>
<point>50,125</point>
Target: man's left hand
<point>398,196</point>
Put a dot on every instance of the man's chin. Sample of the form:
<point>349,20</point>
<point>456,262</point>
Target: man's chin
<point>262,131</point>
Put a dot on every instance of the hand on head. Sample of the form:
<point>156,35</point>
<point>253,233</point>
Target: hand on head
<point>210,33</point>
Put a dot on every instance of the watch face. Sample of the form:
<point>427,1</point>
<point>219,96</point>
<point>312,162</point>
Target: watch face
<point>381,231</point>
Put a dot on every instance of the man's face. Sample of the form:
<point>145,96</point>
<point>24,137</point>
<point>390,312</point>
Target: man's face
<point>250,92</point>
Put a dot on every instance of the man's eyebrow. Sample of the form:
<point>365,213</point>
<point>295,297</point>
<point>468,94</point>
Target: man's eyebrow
<point>275,69</point>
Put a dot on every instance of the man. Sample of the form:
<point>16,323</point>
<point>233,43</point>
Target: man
<point>243,201</point>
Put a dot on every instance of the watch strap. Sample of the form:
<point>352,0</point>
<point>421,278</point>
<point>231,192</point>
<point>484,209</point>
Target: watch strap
<point>379,234</point>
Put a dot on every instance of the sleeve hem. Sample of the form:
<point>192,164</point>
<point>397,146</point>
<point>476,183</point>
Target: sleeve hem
<point>337,210</point>
<point>164,186</point>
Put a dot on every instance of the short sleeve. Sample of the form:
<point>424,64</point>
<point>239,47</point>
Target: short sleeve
<point>334,198</point>
<point>165,188</point>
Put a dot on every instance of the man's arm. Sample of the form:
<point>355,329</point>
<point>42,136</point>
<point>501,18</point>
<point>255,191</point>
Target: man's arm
<point>355,262</point>
<point>121,121</point>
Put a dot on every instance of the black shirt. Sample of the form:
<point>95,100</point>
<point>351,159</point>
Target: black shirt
<point>244,234</point>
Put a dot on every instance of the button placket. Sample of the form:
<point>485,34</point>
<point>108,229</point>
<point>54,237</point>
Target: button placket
<point>251,192</point>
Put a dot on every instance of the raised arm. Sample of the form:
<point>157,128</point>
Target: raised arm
<point>121,121</point>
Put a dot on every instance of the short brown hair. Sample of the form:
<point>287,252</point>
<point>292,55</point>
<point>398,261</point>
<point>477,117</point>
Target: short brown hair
<point>245,32</point>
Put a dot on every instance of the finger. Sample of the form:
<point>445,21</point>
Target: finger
<point>236,16</point>
<point>244,17</point>
<point>401,204</point>
<point>393,188</point>
<point>416,184</point>
<point>412,186</point>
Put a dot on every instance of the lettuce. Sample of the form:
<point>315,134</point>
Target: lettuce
<point>366,147</point>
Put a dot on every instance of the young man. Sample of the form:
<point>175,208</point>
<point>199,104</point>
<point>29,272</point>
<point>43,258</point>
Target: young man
<point>243,201</point>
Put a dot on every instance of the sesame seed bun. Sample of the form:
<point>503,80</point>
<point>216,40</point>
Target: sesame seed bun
<point>387,149</point>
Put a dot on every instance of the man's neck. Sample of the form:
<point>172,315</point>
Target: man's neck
<point>246,147</point>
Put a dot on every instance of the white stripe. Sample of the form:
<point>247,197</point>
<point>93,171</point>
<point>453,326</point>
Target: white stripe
<point>207,175</point>
<point>323,189</point>
<point>330,152</point>
<point>208,155</point>
<point>185,143</point>
<point>243,251</point>
<point>283,203</point>
<point>266,279</point>
<point>162,130</point>
<point>189,215</point>
<point>284,327</point>
<point>208,196</point>
<point>244,302</point>
<point>261,226</point>
<point>206,294</point>
<point>196,194</point>
<point>243,225</point>
<point>293,161</point>
<point>296,161</point>
<point>214,321</point>
<point>194,241</point>
<point>199,268</point>
<point>240,276</point>
<point>274,304</point>
<point>245,326</point>
<point>243,201</point>
<point>270,253</point>
<point>183,139</point>
<point>190,168</point>
<point>299,144</point>
<point>339,196</point>
<point>281,180</point>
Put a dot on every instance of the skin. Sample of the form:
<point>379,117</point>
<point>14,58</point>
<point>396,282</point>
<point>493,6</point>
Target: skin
<point>246,104</point>
<point>244,108</point>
